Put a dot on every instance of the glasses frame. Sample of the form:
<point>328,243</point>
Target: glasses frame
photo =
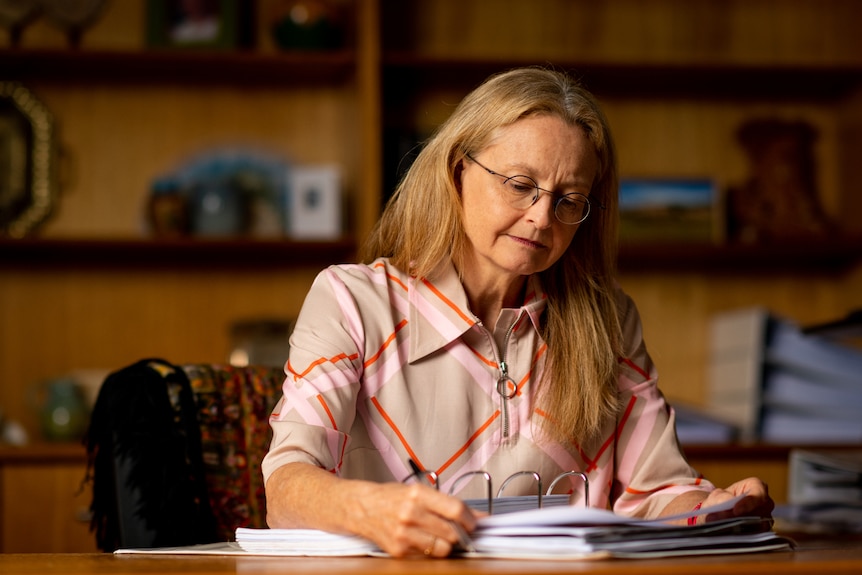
<point>535,199</point>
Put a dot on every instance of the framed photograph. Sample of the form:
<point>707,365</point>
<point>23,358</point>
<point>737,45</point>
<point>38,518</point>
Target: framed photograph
<point>193,23</point>
<point>669,211</point>
<point>314,203</point>
<point>26,160</point>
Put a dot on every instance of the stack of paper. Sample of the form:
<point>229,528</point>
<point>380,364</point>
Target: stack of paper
<point>825,492</point>
<point>308,542</point>
<point>825,476</point>
<point>777,383</point>
<point>514,503</point>
<point>812,391</point>
<point>564,532</point>
<point>597,533</point>
<point>552,533</point>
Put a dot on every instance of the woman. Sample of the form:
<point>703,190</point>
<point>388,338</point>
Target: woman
<point>484,332</point>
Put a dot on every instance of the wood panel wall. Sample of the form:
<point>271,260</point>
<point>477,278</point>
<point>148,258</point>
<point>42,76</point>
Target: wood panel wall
<point>115,139</point>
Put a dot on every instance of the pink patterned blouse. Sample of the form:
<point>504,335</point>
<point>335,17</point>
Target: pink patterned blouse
<point>384,367</point>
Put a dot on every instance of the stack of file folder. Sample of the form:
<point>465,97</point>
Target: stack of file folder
<point>825,492</point>
<point>559,532</point>
<point>563,532</point>
<point>779,383</point>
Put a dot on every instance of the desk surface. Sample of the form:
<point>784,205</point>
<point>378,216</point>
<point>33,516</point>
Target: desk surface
<point>840,558</point>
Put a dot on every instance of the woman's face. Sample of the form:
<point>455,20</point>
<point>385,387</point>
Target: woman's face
<point>509,242</point>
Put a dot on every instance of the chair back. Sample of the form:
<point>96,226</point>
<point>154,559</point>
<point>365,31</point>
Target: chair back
<point>175,453</point>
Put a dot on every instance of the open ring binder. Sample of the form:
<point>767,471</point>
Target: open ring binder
<point>505,504</point>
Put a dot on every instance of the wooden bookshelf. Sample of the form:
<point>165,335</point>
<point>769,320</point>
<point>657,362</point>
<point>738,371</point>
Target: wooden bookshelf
<point>647,79</point>
<point>832,256</point>
<point>175,66</point>
<point>186,253</point>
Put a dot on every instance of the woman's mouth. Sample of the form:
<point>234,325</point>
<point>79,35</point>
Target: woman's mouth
<point>529,243</point>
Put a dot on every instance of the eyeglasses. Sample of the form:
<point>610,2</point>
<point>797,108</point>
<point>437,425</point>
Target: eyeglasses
<point>521,192</point>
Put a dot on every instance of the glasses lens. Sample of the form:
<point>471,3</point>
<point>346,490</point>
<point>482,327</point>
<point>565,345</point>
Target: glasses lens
<point>520,191</point>
<point>572,209</point>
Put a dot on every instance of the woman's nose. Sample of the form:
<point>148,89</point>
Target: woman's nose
<point>541,212</point>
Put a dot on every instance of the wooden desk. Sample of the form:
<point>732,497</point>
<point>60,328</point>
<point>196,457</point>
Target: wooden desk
<point>836,559</point>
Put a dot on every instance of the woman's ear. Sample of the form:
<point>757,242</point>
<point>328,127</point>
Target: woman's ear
<point>459,170</point>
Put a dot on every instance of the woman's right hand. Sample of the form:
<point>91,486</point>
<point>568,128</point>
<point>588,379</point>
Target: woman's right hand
<point>402,519</point>
<point>413,519</point>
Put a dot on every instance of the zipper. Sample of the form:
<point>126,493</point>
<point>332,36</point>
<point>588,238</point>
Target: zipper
<point>504,379</point>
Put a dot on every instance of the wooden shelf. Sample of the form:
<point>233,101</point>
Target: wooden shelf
<point>757,451</point>
<point>43,453</point>
<point>174,66</point>
<point>644,79</point>
<point>35,253</point>
<point>834,255</point>
<point>182,253</point>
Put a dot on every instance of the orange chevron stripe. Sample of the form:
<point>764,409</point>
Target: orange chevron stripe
<point>448,302</point>
<point>386,343</point>
<point>526,378</point>
<point>395,279</point>
<point>398,281</point>
<point>634,366</point>
<point>315,363</point>
<point>540,352</point>
<point>634,491</point>
<point>482,358</point>
<point>326,409</point>
<point>397,431</point>
<point>522,383</point>
<point>469,442</point>
<point>594,463</point>
<point>341,455</point>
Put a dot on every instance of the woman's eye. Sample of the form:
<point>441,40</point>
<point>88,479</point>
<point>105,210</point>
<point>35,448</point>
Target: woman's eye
<point>520,186</point>
<point>574,205</point>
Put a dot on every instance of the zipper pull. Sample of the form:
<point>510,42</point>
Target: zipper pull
<point>505,395</point>
<point>503,382</point>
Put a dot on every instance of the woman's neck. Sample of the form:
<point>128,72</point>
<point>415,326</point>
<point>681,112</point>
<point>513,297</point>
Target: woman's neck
<point>487,299</point>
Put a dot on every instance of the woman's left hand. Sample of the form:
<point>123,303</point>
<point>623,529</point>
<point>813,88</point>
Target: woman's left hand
<point>756,500</point>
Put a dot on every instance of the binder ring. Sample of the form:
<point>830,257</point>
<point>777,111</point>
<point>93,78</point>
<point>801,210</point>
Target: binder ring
<point>486,476</point>
<point>535,475</point>
<point>583,476</point>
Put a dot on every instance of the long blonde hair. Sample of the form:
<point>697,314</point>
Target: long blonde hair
<point>421,227</point>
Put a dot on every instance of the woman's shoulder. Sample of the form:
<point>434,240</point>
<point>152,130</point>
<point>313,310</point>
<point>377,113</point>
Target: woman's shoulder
<point>365,272</point>
<point>362,282</point>
<point>625,304</point>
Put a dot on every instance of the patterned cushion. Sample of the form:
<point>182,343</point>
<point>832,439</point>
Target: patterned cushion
<point>234,404</point>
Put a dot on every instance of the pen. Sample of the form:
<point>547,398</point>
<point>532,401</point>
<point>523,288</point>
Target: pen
<point>463,538</point>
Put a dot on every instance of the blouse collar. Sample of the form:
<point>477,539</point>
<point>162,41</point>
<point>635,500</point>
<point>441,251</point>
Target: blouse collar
<point>440,312</point>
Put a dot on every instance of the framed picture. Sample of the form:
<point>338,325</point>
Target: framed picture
<point>194,23</point>
<point>314,202</point>
<point>26,160</point>
<point>670,210</point>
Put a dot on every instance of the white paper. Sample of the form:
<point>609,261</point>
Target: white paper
<point>572,533</point>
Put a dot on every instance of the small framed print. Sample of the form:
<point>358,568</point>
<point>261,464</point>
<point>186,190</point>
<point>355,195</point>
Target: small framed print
<point>669,210</point>
<point>194,24</point>
<point>26,160</point>
<point>314,203</point>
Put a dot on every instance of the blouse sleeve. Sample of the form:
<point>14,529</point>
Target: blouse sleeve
<point>323,372</point>
<point>651,469</point>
